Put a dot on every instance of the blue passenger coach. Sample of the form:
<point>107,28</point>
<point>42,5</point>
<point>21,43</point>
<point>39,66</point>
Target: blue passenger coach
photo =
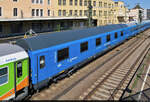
<point>58,52</point>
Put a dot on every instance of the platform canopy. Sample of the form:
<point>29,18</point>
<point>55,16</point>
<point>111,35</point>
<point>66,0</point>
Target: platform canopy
<point>51,39</point>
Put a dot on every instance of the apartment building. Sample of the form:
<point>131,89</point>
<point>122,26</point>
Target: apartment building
<point>121,12</point>
<point>18,16</point>
<point>134,13</point>
<point>148,14</point>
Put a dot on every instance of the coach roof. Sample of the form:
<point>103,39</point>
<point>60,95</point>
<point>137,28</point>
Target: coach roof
<point>48,40</point>
<point>6,49</point>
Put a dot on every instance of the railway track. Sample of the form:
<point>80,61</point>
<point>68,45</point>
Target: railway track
<point>109,86</point>
<point>62,88</point>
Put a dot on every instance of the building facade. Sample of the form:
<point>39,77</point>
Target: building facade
<point>18,16</point>
<point>148,14</point>
<point>134,13</point>
<point>121,12</point>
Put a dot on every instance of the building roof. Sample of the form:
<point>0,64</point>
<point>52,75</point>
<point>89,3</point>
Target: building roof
<point>6,49</point>
<point>51,39</point>
<point>137,7</point>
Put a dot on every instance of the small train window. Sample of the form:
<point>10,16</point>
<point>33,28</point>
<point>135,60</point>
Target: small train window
<point>98,41</point>
<point>3,75</point>
<point>19,69</point>
<point>121,33</point>
<point>108,38</point>
<point>116,35</point>
<point>62,54</point>
<point>42,62</point>
<point>83,46</point>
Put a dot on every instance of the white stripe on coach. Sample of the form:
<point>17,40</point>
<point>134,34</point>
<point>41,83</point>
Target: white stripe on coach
<point>13,57</point>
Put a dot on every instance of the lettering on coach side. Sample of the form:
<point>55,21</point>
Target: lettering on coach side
<point>11,59</point>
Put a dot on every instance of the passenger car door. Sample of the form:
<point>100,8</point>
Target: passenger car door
<point>18,75</point>
<point>42,70</point>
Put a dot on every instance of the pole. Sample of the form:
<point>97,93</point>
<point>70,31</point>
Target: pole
<point>140,16</point>
<point>89,13</point>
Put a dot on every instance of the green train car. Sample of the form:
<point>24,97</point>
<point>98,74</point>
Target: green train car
<point>14,75</point>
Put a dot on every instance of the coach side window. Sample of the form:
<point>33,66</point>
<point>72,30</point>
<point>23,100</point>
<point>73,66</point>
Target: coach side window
<point>108,38</point>
<point>116,35</point>
<point>98,41</point>
<point>83,46</point>
<point>3,75</point>
<point>42,62</point>
<point>19,69</point>
<point>62,54</point>
<point>121,33</point>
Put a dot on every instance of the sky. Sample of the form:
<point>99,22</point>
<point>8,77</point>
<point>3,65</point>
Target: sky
<point>143,3</point>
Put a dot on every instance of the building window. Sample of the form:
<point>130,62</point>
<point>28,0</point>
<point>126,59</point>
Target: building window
<point>71,2</point>
<point>105,5</point>
<point>0,11</point>
<point>33,12</point>
<point>37,12</point>
<point>41,10</point>
<point>85,2</point>
<point>1,28</point>
<point>94,3</point>
<point>76,13</point>
<point>37,1</point>
<point>121,33</point>
<point>15,11</point>
<point>83,46</point>
<point>100,4</point>
<point>94,13</point>
<point>59,12</point>
<point>98,41</point>
<point>105,13</point>
<point>85,13</point>
<point>3,75</point>
<point>80,12</point>
<point>100,13</point>
<point>41,1</point>
<point>108,38</point>
<point>105,21</point>
<point>100,22</point>
<point>62,54</point>
<point>76,2</point>
<point>64,12</point>
<point>42,62</point>
<point>33,1</point>
<point>116,35</point>
<point>19,69</point>
<point>109,5</point>
<point>48,12</point>
<point>59,2</point>
<point>109,13</point>
<point>64,2</point>
<point>70,12</point>
<point>81,2</point>
<point>48,2</point>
